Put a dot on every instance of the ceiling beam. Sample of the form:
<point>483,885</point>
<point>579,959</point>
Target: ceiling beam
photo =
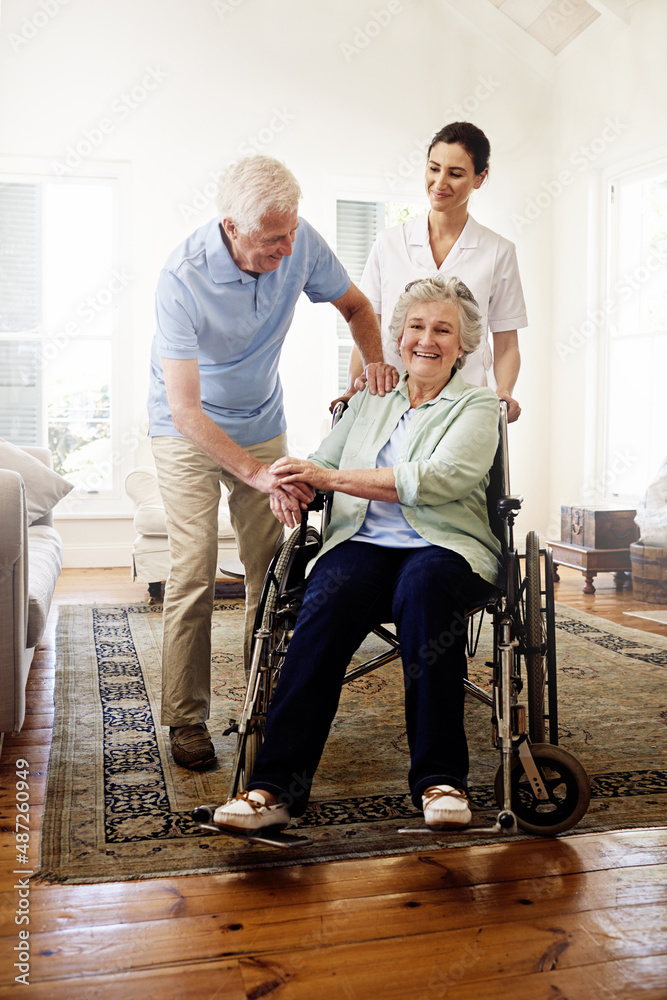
<point>502,33</point>
<point>618,7</point>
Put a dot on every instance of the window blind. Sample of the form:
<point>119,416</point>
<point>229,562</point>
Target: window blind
<point>21,392</point>
<point>20,258</point>
<point>357,225</point>
<point>20,313</point>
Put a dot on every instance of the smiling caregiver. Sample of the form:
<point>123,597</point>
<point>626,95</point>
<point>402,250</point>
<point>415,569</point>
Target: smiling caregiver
<point>448,241</point>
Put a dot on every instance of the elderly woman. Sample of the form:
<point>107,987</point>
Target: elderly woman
<point>409,541</point>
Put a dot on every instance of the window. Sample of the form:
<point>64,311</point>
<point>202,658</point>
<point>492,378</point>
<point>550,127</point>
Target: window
<point>60,297</point>
<point>635,344</point>
<point>357,225</point>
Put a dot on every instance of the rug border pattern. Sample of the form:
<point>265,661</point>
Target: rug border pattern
<point>113,640</point>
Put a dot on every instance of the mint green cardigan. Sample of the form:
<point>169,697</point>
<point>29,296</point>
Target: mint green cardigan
<point>441,472</point>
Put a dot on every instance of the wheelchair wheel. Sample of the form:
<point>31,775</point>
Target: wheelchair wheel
<point>567,785</point>
<point>550,628</point>
<point>535,660</point>
<point>276,613</point>
<point>253,742</point>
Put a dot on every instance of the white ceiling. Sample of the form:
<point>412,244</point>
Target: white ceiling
<point>556,23</point>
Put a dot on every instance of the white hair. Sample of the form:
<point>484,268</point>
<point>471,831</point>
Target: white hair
<point>441,289</point>
<point>251,188</point>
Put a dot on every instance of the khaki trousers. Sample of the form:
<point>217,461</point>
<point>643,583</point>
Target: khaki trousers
<point>189,484</point>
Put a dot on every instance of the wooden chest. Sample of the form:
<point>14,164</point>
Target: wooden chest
<point>649,573</point>
<point>598,527</point>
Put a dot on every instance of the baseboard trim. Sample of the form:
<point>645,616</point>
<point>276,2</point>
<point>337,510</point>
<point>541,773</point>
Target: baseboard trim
<point>97,556</point>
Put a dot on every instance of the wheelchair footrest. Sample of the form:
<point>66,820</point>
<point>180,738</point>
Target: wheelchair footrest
<point>272,836</point>
<point>505,824</point>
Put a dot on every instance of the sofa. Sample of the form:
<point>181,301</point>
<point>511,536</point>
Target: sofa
<point>31,557</point>
<point>150,553</point>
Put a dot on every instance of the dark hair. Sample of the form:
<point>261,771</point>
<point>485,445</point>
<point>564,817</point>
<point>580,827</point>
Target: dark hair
<point>472,139</point>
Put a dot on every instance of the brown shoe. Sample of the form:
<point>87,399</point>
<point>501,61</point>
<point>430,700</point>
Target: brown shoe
<point>191,746</point>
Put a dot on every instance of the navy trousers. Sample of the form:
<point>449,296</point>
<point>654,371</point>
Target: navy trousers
<point>353,588</point>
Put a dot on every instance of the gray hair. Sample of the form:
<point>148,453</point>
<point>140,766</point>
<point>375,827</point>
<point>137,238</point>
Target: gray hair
<point>441,289</point>
<point>251,188</point>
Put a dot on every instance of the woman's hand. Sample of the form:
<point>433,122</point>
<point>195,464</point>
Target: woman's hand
<point>369,484</point>
<point>289,471</point>
<point>513,408</point>
<point>282,508</point>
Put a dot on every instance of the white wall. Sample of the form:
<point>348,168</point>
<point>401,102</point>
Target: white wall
<point>609,86</point>
<point>343,115</point>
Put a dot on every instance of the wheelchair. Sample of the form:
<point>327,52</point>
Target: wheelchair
<point>539,787</point>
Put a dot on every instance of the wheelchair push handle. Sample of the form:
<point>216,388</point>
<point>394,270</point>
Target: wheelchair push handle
<point>337,412</point>
<point>504,409</point>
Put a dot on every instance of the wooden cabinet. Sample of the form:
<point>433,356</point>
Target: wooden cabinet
<point>598,527</point>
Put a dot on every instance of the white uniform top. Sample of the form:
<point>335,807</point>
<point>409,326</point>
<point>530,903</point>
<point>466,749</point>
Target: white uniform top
<point>485,261</point>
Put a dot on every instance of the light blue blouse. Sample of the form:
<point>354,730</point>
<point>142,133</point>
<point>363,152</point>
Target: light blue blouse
<point>385,523</point>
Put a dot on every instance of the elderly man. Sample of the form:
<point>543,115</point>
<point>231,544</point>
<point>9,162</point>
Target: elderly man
<point>224,303</point>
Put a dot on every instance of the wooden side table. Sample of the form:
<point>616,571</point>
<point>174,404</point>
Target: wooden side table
<point>591,562</point>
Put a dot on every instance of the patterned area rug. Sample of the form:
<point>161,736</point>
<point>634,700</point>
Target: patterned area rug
<point>117,808</point>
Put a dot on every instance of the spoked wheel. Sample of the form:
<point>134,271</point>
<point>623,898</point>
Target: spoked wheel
<point>276,614</point>
<point>567,785</point>
<point>247,748</point>
<point>535,638</point>
<point>253,741</point>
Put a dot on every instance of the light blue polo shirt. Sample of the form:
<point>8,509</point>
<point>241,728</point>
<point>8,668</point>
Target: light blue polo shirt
<point>234,325</point>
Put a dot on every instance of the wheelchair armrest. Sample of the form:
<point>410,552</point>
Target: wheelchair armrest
<point>507,505</point>
<point>318,502</point>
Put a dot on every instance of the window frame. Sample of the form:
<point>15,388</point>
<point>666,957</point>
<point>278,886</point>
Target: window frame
<point>600,488</point>
<point>370,190</point>
<point>124,438</point>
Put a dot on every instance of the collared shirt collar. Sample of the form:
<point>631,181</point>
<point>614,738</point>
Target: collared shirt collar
<point>454,388</point>
<point>219,260</point>
<point>419,233</point>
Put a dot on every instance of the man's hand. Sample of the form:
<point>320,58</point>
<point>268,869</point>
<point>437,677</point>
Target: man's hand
<point>513,408</point>
<point>286,500</point>
<point>380,378</point>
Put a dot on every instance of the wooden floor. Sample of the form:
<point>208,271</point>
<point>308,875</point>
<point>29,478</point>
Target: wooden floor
<point>580,918</point>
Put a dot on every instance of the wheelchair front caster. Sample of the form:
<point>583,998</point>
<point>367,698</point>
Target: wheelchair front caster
<point>506,820</point>
<point>567,785</point>
<point>203,814</point>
